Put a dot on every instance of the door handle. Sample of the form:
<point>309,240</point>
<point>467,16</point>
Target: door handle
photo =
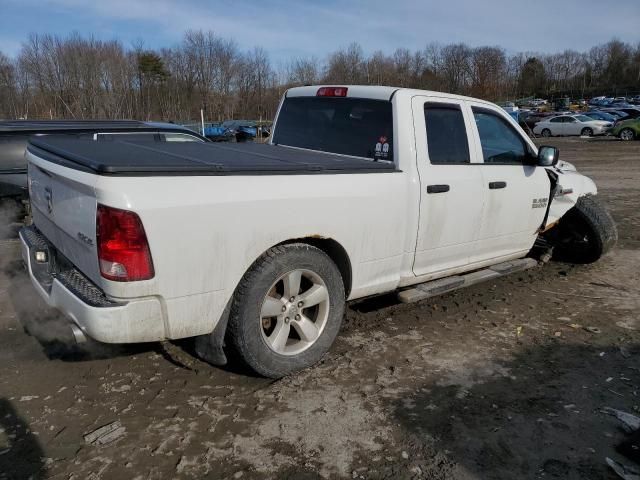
<point>496,185</point>
<point>437,188</point>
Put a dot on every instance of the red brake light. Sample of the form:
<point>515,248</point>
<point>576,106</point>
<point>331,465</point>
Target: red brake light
<point>123,250</point>
<point>332,92</point>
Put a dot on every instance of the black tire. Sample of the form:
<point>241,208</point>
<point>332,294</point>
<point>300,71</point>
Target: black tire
<point>627,134</point>
<point>586,132</point>
<point>586,232</point>
<point>546,133</point>
<point>244,333</point>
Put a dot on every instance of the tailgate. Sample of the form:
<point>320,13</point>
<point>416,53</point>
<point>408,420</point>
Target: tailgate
<point>64,209</point>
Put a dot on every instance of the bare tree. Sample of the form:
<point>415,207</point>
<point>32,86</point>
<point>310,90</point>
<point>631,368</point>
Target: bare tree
<point>82,77</point>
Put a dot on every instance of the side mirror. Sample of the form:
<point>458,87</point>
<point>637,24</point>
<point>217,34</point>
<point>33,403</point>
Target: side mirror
<point>547,156</point>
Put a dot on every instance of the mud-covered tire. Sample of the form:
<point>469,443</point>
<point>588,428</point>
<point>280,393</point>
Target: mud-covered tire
<point>244,333</point>
<point>586,232</point>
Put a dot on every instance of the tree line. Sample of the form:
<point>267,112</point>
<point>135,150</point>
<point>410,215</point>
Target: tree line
<point>76,77</point>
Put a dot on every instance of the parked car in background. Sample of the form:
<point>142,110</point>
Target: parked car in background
<point>218,133</point>
<point>14,136</point>
<point>598,115</point>
<point>618,113</point>
<point>632,112</point>
<point>565,125</point>
<point>627,129</point>
<point>532,119</point>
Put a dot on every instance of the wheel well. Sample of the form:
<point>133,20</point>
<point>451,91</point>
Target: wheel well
<point>336,252</point>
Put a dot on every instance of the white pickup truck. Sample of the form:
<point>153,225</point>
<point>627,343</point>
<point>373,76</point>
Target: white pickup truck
<point>257,247</point>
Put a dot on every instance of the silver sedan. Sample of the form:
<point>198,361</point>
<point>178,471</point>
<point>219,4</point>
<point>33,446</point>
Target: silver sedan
<point>571,125</point>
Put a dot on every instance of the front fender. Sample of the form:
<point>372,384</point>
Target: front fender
<point>571,186</point>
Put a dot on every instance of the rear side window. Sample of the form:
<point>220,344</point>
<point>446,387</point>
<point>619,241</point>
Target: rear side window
<point>446,134</point>
<point>179,137</point>
<point>347,126</point>
<point>128,137</point>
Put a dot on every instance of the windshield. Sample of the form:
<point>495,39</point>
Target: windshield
<point>349,126</point>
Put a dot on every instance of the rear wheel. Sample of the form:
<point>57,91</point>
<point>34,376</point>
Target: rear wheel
<point>287,310</point>
<point>546,132</point>
<point>627,134</point>
<point>587,132</point>
<point>585,233</point>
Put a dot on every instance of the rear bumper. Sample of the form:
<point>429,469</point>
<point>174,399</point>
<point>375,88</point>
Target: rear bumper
<point>65,288</point>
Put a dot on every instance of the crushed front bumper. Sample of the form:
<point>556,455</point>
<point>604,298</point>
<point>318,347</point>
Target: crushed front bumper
<point>65,288</point>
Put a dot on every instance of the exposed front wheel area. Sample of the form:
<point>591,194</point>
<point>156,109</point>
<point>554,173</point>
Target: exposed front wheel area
<point>546,133</point>
<point>627,134</point>
<point>585,233</point>
<point>287,310</point>
<point>586,132</point>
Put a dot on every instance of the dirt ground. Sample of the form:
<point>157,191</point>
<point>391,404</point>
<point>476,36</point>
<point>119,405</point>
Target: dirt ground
<point>504,380</point>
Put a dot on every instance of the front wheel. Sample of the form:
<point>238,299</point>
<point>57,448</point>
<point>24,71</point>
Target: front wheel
<point>587,132</point>
<point>546,133</point>
<point>585,233</point>
<point>287,310</point>
<point>627,134</point>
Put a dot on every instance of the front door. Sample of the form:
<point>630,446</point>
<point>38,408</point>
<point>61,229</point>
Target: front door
<point>516,192</point>
<point>571,126</point>
<point>451,185</point>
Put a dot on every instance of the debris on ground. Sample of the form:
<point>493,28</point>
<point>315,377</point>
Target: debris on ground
<point>106,434</point>
<point>593,329</point>
<point>624,471</point>
<point>630,422</point>
<point>630,447</point>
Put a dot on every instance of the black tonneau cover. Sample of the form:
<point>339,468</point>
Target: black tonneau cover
<point>194,158</point>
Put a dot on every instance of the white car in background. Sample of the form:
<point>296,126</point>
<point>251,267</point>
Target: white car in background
<point>563,125</point>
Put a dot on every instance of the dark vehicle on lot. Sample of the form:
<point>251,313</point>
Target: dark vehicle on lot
<point>630,111</point>
<point>618,113</point>
<point>14,136</point>
<point>245,130</point>
<point>534,118</point>
<point>597,115</point>
<point>218,133</point>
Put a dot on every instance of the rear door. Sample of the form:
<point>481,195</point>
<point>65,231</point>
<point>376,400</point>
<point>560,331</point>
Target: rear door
<point>516,193</point>
<point>451,185</point>
<point>556,126</point>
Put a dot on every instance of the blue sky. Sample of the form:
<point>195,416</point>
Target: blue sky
<point>299,28</point>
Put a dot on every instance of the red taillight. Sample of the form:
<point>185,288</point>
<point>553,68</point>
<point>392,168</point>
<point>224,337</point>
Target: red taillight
<point>332,92</point>
<point>123,250</point>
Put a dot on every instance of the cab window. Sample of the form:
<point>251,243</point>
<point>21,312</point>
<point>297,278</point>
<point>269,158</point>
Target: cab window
<point>348,126</point>
<point>446,134</point>
<point>501,143</point>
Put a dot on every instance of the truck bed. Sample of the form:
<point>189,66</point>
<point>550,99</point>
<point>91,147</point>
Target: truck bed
<point>191,158</point>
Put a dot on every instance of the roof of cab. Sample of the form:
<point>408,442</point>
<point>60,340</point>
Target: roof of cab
<point>377,92</point>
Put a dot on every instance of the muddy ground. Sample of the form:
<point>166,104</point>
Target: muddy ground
<point>504,380</point>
